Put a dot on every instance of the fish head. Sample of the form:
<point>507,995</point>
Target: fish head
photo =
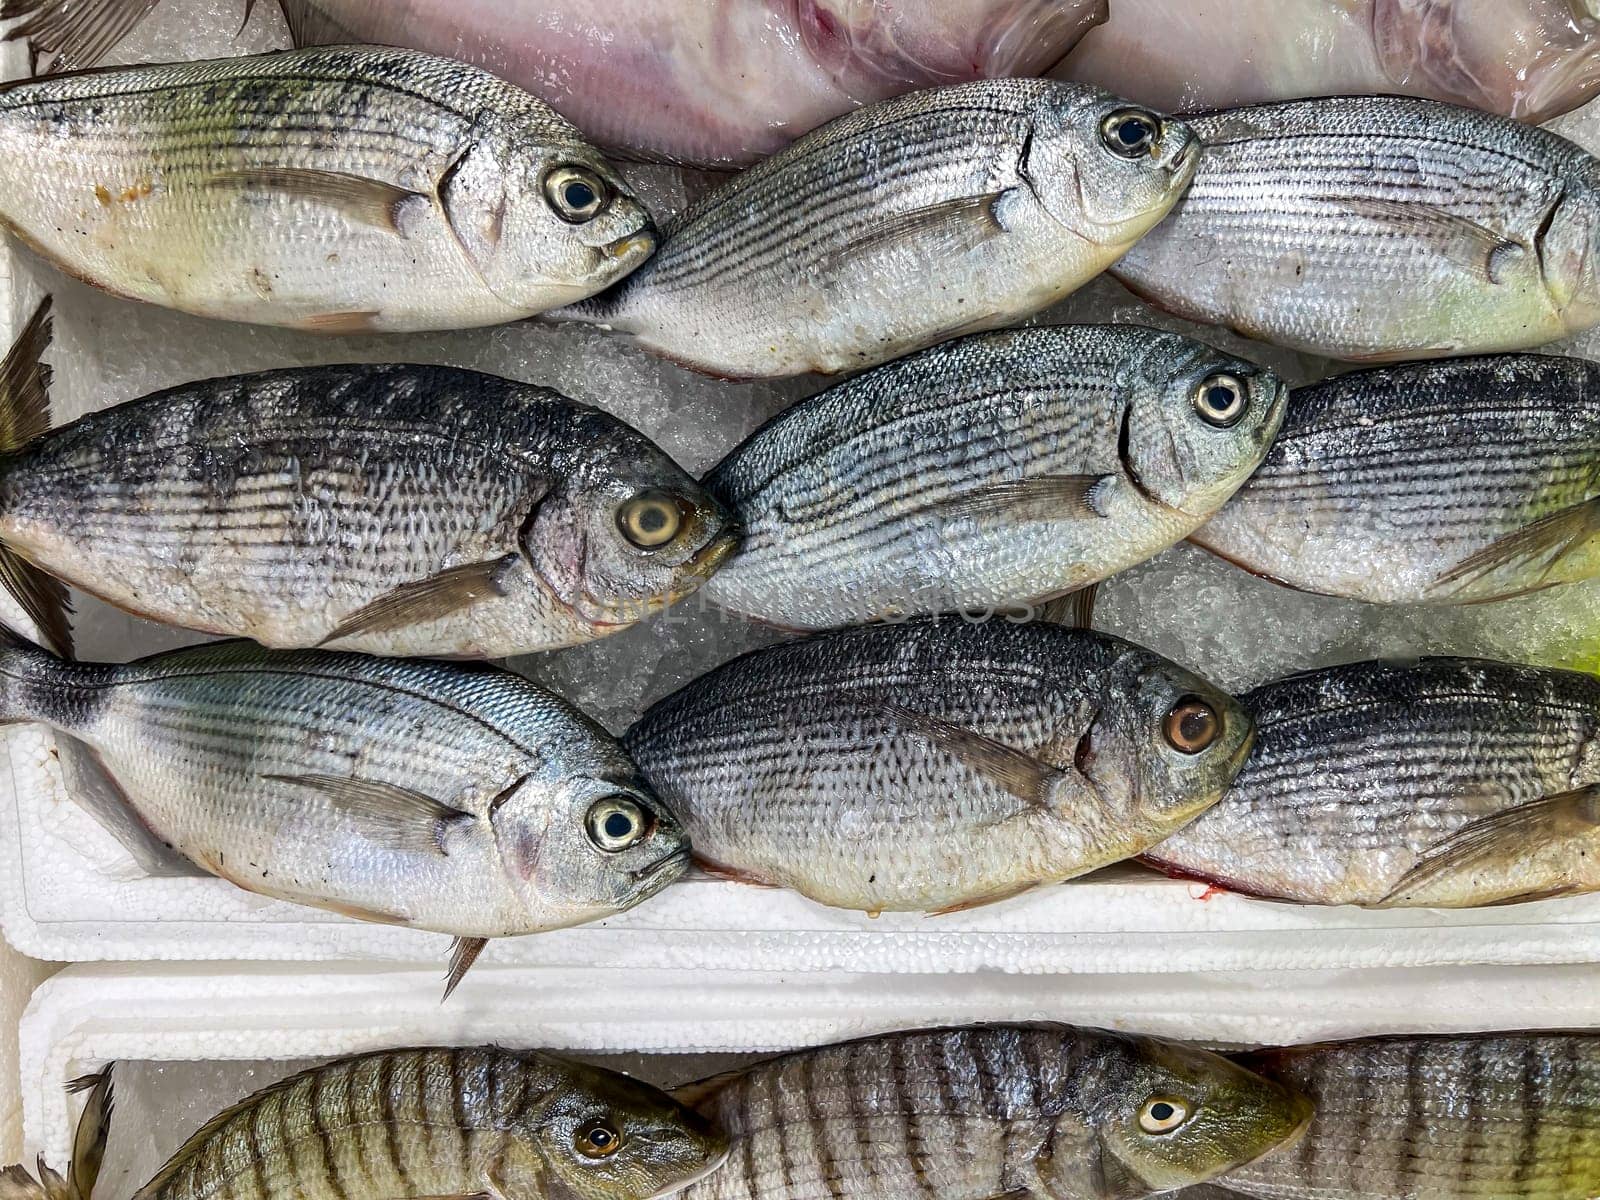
<point>587,844</point>
<point>1104,168</point>
<point>627,532</point>
<point>543,218</point>
<point>1196,423</point>
<point>614,1138</point>
<point>1168,1116</point>
<point>1162,743</point>
<point>1568,246</point>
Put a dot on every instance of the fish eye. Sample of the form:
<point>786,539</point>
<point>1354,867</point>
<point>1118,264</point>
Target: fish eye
<point>577,195</point>
<point>616,823</point>
<point>650,520</point>
<point>1220,400</point>
<point>1191,725</point>
<point>1163,1114</point>
<point>597,1139</point>
<point>1130,132</point>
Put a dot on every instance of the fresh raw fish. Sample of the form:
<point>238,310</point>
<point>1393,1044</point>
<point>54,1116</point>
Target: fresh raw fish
<point>1380,228</point>
<point>1529,59</point>
<point>937,765</point>
<point>938,213</point>
<point>999,470</point>
<point>1442,783</point>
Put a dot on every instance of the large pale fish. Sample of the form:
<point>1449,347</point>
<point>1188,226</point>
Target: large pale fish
<point>999,470</point>
<point>713,83</point>
<point>389,509</point>
<point>1447,782</point>
<point>334,190</point>
<point>449,797</point>
<point>1032,1112</point>
<point>1380,228</point>
<point>1448,482</point>
<point>937,765</point>
<point>1529,59</point>
<point>941,212</point>
<point>1493,1116</point>
<point>417,1124</point>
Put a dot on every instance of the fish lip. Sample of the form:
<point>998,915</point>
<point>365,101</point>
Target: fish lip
<point>644,238</point>
<point>714,553</point>
<point>648,872</point>
<point>693,1179</point>
<point>1289,1139</point>
<point>1188,159</point>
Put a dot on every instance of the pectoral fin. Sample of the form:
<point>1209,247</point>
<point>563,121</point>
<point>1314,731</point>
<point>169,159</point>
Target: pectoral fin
<point>1540,545</point>
<point>310,26</point>
<point>1044,498</point>
<point>1474,247</point>
<point>1500,839</point>
<point>940,231</point>
<point>428,599</point>
<point>1075,610</point>
<point>93,787</point>
<point>1016,772</point>
<point>386,813</point>
<point>366,201</point>
<point>73,33</point>
<point>982,901</point>
<point>464,952</point>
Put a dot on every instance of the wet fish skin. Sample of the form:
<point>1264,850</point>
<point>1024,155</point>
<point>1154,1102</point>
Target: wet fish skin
<point>431,795</point>
<point>1513,1116</point>
<point>282,506</point>
<point>937,213</point>
<point>1048,1112</point>
<point>933,765</point>
<point>295,189</point>
<point>1359,771</point>
<point>1450,482</point>
<point>987,472</point>
<point>1379,228</point>
<point>1528,59</point>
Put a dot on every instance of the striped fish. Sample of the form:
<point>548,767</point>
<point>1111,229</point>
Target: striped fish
<point>1501,1116</point>
<point>1026,1112</point>
<point>1380,228</point>
<point>432,1123</point>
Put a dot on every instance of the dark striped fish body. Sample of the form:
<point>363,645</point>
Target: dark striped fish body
<point>406,1124</point>
<point>1380,228</point>
<point>389,509</point>
<point>454,798</point>
<point>1437,483</point>
<point>936,765</point>
<point>911,220</point>
<point>1001,469</point>
<point>1445,782</point>
<point>1502,1116</point>
<point>336,190</point>
<point>1045,1112</point>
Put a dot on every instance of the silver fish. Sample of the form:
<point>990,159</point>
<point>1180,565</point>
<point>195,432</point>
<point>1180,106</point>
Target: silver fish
<point>453,798</point>
<point>1032,1112</point>
<point>1448,782</point>
<point>937,765</point>
<point>389,509</point>
<point>1529,59</point>
<point>937,213</point>
<point>1447,482</point>
<point>1380,228</point>
<point>1002,469</point>
<point>335,190</point>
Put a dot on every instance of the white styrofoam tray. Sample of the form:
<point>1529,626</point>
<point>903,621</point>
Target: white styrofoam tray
<point>89,1015</point>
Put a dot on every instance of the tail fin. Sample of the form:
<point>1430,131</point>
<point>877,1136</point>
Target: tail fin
<point>73,33</point>
<point>24,416</point>
<point>88,1152</point>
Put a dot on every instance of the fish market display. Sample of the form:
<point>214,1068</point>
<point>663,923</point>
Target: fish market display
<point>1500,1116</point>
<point>1042,1112</point>
<point>937,213</point>
<point>455,798</point>
<point>1446,782</point>
<point>1529,59</point>
<point>1380,228</point>
<point>390,509</point>
<point>937,765</point>
<point>716,83</point>
<point>1447,482</point>
<point>1000,469</point>
<point>340,190</point>
<point>416,1124</point>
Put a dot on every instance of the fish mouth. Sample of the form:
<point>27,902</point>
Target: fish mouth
<point>692,1179</point>
<point>1187,160</point>
<point>640,244</point>
<point>679,857</point>
<point>712,555</point>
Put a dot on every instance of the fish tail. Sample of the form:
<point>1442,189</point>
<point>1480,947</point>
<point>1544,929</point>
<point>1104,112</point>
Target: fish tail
<point>24,416</point>
<point>87,1152</point>
<point>73,33</point>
